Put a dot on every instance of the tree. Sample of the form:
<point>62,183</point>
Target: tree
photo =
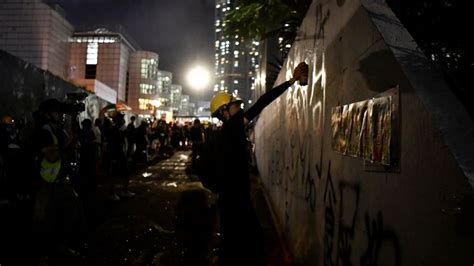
<point>262,19</point>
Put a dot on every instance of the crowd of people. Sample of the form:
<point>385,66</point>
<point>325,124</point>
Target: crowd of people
<point>50,169</point>
<point>56,167</point>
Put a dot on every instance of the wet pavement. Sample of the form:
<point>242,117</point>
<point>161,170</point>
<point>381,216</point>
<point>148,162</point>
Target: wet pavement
<point>170,220</point>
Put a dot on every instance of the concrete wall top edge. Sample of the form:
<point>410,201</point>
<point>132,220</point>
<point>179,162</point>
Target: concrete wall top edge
<point>449,115</point>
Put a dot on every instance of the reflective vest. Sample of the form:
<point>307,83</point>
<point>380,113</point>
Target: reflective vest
<point>49,171</point>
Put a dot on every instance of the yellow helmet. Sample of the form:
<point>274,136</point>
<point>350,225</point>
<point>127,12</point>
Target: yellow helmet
<point>8,120</point>
<point>222,99</point>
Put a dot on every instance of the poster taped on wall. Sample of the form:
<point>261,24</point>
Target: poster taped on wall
<point>364,129</point>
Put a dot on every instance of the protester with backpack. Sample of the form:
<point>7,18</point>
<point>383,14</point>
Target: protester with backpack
<point>223,167</point>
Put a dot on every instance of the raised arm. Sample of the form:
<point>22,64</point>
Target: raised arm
<point>274,93</point>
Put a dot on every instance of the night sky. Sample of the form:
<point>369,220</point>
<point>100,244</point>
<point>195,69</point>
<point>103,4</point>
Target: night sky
<point>180,31</point>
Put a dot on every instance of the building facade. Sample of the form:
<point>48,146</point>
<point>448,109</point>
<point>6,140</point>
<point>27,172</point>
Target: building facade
<point>165,79</point>
<point>106,63</point>
<point>142,92</point>
<point>102,55</point>
<point>203,108</point>
<point>184,105</point>
<point>236,60</point>
<point>37,33</point>
<point>176,92</point>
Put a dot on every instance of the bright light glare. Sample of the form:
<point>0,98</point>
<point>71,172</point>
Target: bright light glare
<point>198,78</point>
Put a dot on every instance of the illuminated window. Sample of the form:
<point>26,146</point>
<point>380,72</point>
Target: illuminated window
<point>149,68</point>
<point>91,60</point>
<point>145,104</point>
<point>147,88</point>
<point>92,53</point>
<point>95,39</point>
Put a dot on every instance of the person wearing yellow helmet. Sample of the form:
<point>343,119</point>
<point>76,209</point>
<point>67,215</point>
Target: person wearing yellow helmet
<point>223,167</point>
<point>224,105</point>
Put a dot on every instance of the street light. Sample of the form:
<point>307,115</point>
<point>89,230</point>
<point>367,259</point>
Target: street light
<point>198,78</point>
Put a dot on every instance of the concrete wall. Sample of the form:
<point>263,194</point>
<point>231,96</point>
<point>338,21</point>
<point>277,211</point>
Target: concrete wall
<point>23,87</point>
<point>330,209</point>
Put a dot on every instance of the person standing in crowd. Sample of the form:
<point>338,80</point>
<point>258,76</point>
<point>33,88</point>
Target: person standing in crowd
<point>131,137</point>
<point>241,234</point>
<point>116,148</point>
<point>11,152</point>
<point>162,131</point>
<point>57,212</point>
<point>142,142</point>
<point>87,167</point>
<point>87,156</point>
<point>97,145</point>
<point>196,135</point>
<point>175,136</point>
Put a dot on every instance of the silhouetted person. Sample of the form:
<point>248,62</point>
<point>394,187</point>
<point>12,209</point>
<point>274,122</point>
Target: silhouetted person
<point>87,155</point>
<point>142,142</point>
<point>116,147</point>
<point>131,137</point>
<point>196,135</point>
<point>241,234</point>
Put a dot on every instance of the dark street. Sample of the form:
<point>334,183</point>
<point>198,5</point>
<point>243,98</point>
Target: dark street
<point>170,209</point>
<point>172,220</point>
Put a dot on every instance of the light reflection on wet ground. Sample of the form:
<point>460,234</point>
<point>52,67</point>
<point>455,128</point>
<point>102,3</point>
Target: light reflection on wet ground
<point>158,225</point>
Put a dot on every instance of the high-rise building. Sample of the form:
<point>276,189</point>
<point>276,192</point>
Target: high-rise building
<point>165,79</point>
<point>184,105</point>
<point>37,33</point>
<point>142,85</point>
<point>176,92</point>
<point>236,60</point>
<point>101,55</point>
<point>203,108</point>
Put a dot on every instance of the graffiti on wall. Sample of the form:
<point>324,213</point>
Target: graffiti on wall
<point>380,241</point>
<point>295,166</point>
<point>340,230</point>
<point>298,173</point>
